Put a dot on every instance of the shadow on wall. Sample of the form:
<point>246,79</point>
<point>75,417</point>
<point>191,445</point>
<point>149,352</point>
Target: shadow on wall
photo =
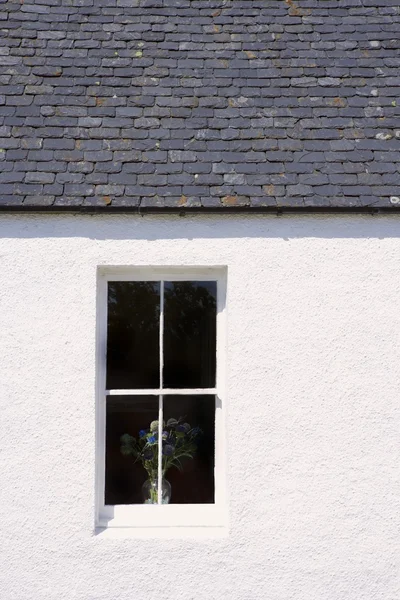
<point>198,226</point>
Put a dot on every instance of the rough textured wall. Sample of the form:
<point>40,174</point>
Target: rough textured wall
<point>199,102</point>
<point>313,413</point>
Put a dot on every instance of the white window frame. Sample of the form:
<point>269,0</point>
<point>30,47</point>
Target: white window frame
<point>142,517</point>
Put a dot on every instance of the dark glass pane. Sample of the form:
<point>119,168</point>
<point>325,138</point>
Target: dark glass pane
<point>190,310</point>
<point>189,442</point>
<point>125,475</point>
<point>133,335</point>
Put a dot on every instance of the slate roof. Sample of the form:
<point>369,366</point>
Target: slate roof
<point>199,103</point>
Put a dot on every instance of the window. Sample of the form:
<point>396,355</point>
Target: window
<point>160,377</point>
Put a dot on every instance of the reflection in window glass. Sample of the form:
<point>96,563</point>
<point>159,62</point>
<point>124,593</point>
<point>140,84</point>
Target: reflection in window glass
<point>125,474</point>
<point>190,310</point>
<point>133,334</point>
<point>189,448</point>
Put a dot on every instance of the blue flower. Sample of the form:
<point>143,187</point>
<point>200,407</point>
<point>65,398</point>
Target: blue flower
<point>168,450</point>
<point>180,429</point>
<point>148,454</point>
<point>143,433</point>
<point>152,439</point>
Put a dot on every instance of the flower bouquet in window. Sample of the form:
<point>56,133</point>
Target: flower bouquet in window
<point>178,443</point>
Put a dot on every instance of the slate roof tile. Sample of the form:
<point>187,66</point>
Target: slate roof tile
<point>199,103</point>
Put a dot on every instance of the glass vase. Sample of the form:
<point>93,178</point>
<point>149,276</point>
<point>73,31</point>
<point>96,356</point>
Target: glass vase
<point>150,491</point>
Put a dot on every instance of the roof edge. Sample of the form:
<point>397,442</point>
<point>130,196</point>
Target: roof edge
<point>182,210</point>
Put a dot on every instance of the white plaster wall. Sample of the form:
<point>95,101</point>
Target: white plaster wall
<point>313,410</point>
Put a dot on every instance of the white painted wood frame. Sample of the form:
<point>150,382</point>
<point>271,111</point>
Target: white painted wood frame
<point>143,517</point>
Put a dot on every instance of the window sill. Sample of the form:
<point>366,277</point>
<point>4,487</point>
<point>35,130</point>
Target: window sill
<point>162,532</point>
<point>185,520</point>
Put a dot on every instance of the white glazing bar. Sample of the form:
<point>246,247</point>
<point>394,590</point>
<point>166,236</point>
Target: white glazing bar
<point>166,392</point>
<point>160,430</point>
<point>160,401</point>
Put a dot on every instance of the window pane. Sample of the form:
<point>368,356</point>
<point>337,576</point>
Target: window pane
<point>124,474</point>
<point>133,335</point>
<point>189,442</point>
<point>190,310</point>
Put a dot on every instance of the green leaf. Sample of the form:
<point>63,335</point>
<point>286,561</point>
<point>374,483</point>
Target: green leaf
<point>127,451</point>
<point>127,439</point>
